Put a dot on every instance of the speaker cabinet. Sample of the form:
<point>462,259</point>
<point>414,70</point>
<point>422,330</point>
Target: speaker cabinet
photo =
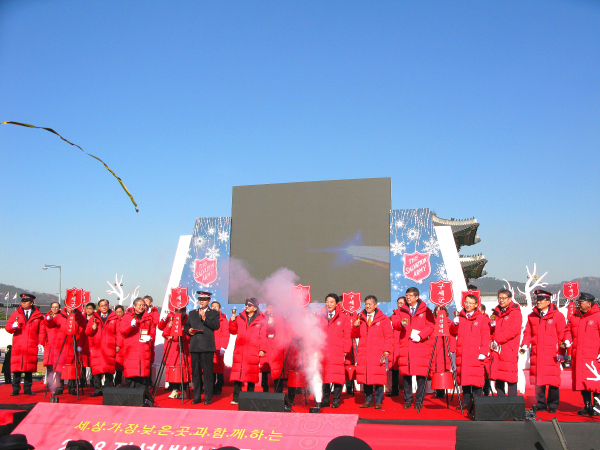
<point>499,408</point>
<point>261,401</point>
<point>120,396</point>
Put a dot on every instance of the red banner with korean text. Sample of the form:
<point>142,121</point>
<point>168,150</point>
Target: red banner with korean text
<point>571,290</point>
<point>440,292</point>
<point>176,328</point>
<point>179,298</point>
<point>351,301</point>
<point>50,426</point>
<point>74,298</point>
<point>441,327</point>
<point>85,300</point>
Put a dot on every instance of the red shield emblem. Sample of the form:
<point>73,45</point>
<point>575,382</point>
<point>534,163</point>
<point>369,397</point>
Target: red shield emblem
<point>74,298</point>
<point>416,266</point>
<point>300,295</point>
<point>471,292</point>
<point>441,327</point>
<point>440,292</point>
<point>571,290</point>
<point>179,298</point>
<point>205,271</point>
<point>351,301</point>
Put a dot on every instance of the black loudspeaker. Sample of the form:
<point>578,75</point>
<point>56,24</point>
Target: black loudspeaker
<point>261,401</point>
<point>120,396</point>
<point>499,408</point>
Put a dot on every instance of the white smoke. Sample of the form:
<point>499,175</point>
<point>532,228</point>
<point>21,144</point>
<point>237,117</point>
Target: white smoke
<point>301,322</point>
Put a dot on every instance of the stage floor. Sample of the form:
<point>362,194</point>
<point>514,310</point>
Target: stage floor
<point>434,409</point>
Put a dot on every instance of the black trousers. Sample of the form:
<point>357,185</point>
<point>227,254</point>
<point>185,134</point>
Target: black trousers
<point>7,378</point>
<point>408,393</point>
<point>395,382</point>
<point>374,392</point>
<point>350,387</point>
<point>108,381</point>
<point>501,388</point>
<point>202,364</point>
<point>118,378</point>
<point>469,393</point>
<point>553,396</point>
<point>219,382</point>
<point>132,382</point>
<point>16,381</point>
<point>237,388</point>
<point>337,393</point>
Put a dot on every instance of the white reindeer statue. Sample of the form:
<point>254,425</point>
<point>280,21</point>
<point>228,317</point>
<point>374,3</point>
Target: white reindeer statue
<point>532,283</point>
<point>117,289</point>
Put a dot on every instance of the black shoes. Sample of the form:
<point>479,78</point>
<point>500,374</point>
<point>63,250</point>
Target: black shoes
<point>13,393</point>
<point>28,393</point>
<point>392,394</point>
<point>96,394</point>
<point>207,402</point>
<point>539,408</point>
<point>418,405</point>
<point>551,410</point>
<point>335,405</point>
<point>407,405</point>
<point>196,402</point>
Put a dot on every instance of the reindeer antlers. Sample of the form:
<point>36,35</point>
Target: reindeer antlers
<point>594,371</point>
<point>529,287</point>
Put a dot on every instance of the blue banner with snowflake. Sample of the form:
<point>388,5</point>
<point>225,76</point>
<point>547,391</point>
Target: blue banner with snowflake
<point>207,262</point>
<point>415,257</point>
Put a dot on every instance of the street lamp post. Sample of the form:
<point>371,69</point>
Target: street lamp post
<point>51,266</point>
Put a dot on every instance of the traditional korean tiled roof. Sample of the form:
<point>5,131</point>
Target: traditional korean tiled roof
<point>464,231</point>
<point>472,266</point>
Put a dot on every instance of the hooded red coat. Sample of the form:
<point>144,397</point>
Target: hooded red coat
<point>337,343</point>
<point>583,330</point>
<point>120,344</point>
<point>221,341</point>
<point>414,356</point>
<point>251,339</point>
<point>374,341</point>
<point>137,357</point>
<point>48,336</point>
<point>441,360</point>
<point>544,334</point>
<point>395,357</point>
<point>504,366</point>
<point>473,339</point>
<point>277,344</point>
<point>175,358</point>
<point>26,339</point>
<point>103,342</point>
<point>64,361</point>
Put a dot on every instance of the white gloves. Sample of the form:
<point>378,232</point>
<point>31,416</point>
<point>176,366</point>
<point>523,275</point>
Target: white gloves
<point>481,357</point>
<point>524,347</point>
<point>492,323</point>
<point>40,348</point>
<point>416,338</point>
<point>15,325</point>
<point>456,320</point>
<point>271,336</point>
<point>568,343</point>
<point>79,349</point>
<point>146,338</point>
<point>48,317</point>
<point>222,351</point>
<point>133,322</point>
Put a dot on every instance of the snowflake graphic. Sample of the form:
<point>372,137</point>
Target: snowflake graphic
<point>212,253</point>
<point>397,274</point>
<point>397,247</point>
<point>211,231</point>
<point>399,224</point>
<point>431,246</point>
<point>223,236</point>
<point>441,272</point>
<point>199,241</point>
<point>395,287</point>
<point>413,234</point>
<point>193,265</point>
<point>189,254</point>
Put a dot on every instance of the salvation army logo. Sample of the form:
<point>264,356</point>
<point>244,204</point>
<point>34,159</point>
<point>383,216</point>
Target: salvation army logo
<point>550,322</point>
<point>338,323</point>
<point>205,271</point>
<point>416,266</point>
<point>476,323</point>
<point>591,322</point>
<point>440,292</point>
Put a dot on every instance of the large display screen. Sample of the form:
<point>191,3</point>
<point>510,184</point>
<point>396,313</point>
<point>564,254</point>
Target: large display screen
<point>333,234</point>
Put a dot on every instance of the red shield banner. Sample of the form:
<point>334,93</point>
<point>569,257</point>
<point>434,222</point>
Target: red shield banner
<point>441,328</point>
<point>440,292</point>
<point>571,290</point>
<point>74,298</point>
<point>351,301</point>
<point>570,310</point>
<point>85,300</point>
<point>300,295</point>
<point>176,328</point>
<point>179,298</point>
<point>205,271</point>
<point>416,266</point>
<point>471,292</point>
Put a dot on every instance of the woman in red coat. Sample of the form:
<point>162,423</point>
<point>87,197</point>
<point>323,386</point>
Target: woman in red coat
<point>583,332</point>
<point>101,331</point>
<point>472,330</point>
<point>415,323</point>
<point>335,348</point>
<point>443,345</point>
<point>221,344</point>
<point>138,331</point>
<point>250,345</point>
<point>376,344</point>
<point>505,322</point>
<point>277,344</point>
<point>49,336</point>
<point>394,365</point>
<point>544,331</point>
<point>177,360</point>
<point>25,324</point>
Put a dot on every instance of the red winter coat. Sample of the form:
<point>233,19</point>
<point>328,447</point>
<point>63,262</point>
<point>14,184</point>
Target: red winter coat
<point>120,343</point>
<point>395,357</point>
<point>414,356</point>
<point>103,342</point>
<point>277,344</point>
<point>374,341</point>
<point>175,357</point>
<point>337,343</point>
<point>507,333</point>
<point>473,339</point>
<point>137,357</point>
<point>440,352</point>
<point>251,339</point>
<point>583,330</point>
<point>26,339</point>
<point>221,341</point>
<point>64,361</point>
<point>48,336</point>
<point>85,346</point>
<point>544,334</point>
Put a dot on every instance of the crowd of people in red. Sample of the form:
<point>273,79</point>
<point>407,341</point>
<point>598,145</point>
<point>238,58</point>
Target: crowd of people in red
<point>118,347</point>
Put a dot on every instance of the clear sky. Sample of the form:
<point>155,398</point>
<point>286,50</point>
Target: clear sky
<point>488,109</point>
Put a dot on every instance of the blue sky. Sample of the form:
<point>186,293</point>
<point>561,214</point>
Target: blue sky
<point>486,109</point>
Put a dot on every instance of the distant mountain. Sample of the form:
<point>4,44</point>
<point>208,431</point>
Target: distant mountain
<point>590,285</point>
<point>40,297</point>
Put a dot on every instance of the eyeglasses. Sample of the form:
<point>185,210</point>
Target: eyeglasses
<point>503,298</point>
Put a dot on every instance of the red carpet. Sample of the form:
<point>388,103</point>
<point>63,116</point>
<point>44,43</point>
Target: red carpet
<point>434,409</point>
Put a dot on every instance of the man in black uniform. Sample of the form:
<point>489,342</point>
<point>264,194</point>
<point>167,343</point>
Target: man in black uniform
<point>201,326</point>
